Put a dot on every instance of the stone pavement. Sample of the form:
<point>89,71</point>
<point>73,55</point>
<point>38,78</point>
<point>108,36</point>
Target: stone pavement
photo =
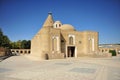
<point>21,68</point>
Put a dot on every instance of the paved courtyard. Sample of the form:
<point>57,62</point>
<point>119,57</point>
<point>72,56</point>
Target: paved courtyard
<point>22,68</point>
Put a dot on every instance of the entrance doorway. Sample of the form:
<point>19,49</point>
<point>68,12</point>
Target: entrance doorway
<point>71,51</point>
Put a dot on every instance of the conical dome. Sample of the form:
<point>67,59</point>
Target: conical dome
<point>49,21</point>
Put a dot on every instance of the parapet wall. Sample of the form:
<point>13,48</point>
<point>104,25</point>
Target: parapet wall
<point>21,51</point>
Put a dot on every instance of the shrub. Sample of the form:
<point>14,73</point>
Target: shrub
<point>113,52</point>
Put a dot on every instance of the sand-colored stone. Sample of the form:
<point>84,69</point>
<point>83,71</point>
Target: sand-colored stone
<point>56,40</point>
<point>82,68</point>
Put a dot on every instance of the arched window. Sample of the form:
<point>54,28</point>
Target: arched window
<point>59,25</point>
<point>21,51</point>
<point>55,44</point>
<point>17,51</point>
<point>13,51</point>
<point>71,40</point>
<point>102,50</point>
<point>28,52</point>
<point>56,25</point>
<point>25,52</point>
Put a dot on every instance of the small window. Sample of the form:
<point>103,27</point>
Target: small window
<point>29,52</point>
<point>13,51</point>
<point>59,25</point>
<point>21,51</point>
<point>102,50</point>
<point>56,25</point>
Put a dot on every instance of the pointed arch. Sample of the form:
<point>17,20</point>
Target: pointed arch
<point>71,40</point>
<point>55,44</point>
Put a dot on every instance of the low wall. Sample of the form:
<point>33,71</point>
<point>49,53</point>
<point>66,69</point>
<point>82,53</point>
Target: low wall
<point>106,50</point>
<point>21,51</point>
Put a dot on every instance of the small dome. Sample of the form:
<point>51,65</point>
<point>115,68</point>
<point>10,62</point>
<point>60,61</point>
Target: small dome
<point>67,27</point>
<point>57,24</point>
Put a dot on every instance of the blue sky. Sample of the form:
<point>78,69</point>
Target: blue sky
<point>22,19</point>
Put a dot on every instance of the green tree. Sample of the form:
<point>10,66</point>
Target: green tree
<point>28,44</point>
<point>25,44</point>
<point>13,45</point>
<point>1,35</point>
<point>18,43</point>
<point>21,44</point>
<point>4,40</point>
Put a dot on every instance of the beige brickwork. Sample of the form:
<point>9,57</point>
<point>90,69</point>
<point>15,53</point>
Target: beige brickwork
<point>56,40</point>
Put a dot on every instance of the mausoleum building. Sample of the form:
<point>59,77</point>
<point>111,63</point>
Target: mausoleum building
<point>56,40</point>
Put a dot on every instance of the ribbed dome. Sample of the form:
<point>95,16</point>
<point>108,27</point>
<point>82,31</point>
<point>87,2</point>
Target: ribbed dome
<point>67,27</point>
<point>57,22</point>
